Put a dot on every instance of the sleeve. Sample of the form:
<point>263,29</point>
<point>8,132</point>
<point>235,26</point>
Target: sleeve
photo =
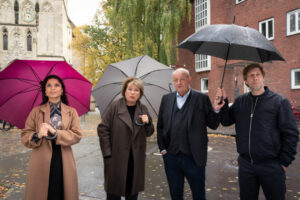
<point>213,118</point>
<point>227,117</point>
<point>160,126</point>
<point>27,134</point>
<point>73,134</point>
<point>104,132</point>
<point>289,133</point>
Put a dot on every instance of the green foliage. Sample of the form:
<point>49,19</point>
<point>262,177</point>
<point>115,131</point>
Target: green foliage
<point>92,62</point>
<point>147,26</point>
<point>127,29</point>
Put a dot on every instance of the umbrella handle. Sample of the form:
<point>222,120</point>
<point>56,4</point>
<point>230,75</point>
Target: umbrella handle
<point>221,100</point>
<point>137,122</point>
<point>46,137</point>
<point>51,138</point>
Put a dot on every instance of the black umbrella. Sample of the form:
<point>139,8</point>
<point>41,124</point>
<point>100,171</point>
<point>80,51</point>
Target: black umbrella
<point>157,79</point>
<point>231,42</point>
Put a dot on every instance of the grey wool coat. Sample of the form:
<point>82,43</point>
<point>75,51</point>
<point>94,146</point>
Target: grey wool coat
<point>39,164</point>
<point>117,134</point>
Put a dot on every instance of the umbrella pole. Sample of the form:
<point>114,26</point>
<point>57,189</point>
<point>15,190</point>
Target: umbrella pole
<point>223,74</point>
<point>228,49</point>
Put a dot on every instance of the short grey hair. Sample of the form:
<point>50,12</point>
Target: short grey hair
<point>182,70</point>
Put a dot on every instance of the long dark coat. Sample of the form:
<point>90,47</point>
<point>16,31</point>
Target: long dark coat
<point>39,164</point>
<point>117,134</point>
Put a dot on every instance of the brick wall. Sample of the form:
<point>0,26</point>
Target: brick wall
<point>248,13</point>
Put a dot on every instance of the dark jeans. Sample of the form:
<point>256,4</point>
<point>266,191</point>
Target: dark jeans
<point>180,166</point>
<point>269,175</point>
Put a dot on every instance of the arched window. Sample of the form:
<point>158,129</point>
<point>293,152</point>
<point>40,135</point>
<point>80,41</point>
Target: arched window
<point>37,7</point>
<point>16,8</point>
<point>29,41</point>
<point>5,40</point>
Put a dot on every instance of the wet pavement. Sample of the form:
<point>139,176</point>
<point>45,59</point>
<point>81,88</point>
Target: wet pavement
<point>221,170</point>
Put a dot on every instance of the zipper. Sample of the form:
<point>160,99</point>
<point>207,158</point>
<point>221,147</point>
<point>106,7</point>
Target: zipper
<point>251,118</point>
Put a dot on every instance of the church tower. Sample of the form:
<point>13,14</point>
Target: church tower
<point>35,30</point>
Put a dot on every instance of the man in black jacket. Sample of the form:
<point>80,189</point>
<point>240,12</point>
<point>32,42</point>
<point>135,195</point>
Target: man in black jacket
<point>182,135</point>
<point>266,136</point>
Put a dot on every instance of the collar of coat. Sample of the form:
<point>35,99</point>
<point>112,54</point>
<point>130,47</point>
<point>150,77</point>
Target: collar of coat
<point>65,114</point>
<point>46,108</point>
<point>123,108</point>
<point>266,92</point>
<point>125,116</point>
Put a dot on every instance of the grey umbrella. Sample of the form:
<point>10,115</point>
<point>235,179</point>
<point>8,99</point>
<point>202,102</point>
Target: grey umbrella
<point>231,42</point>
<point>157,79</point>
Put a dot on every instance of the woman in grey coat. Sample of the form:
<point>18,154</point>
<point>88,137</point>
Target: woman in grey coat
<point>122,133</point>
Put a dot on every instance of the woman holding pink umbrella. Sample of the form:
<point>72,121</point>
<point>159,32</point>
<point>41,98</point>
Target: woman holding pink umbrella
<point>50,130</point>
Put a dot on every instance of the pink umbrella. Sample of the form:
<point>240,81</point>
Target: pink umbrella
<point>20,88</point>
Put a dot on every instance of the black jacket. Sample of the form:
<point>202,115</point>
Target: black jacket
<point>200,115</point>
<point>272,132</point>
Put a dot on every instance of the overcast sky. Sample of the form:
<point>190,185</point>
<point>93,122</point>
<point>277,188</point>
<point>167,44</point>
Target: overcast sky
<point>82,11</point>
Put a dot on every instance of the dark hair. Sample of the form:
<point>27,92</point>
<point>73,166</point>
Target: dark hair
<point>139,84</point>
<point>64,98</point>
<point>250,67</point>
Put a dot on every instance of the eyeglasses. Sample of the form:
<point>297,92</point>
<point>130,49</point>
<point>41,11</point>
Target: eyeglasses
<point>139,123</point>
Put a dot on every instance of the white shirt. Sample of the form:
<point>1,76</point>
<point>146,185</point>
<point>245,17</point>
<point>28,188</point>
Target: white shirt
<point>181,100</point>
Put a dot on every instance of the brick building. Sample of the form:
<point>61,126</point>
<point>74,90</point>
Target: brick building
<point>278,20</point>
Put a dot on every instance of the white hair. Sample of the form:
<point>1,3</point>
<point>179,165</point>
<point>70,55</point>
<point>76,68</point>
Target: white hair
<point>182,70</point>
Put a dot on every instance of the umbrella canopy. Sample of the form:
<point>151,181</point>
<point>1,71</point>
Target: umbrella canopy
<point>157,79</point>
<point>231,42</point>
<point>20,88</point>
<point>240,43</point>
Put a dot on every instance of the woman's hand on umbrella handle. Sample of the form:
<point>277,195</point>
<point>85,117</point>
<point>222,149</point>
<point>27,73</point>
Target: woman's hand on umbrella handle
<point>43,132</point>
<point>144,118</point>
<point>51,129</point>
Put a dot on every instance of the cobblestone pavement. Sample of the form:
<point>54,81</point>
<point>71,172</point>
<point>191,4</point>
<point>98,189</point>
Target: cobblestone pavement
<point>221,171</point>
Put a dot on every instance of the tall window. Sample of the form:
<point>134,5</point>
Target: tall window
<point>5,40</point>
<point>239,1</point>
<point>29,41</point>
<point>202,18</point>
<point>266,27</point>
<point>204,85</point>
<point>295,78</point>
<point>293,22</point>
<point>16,8</point>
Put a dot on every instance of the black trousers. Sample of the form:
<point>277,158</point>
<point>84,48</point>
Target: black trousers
<point>56,183</point>
<point>268,174</point>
